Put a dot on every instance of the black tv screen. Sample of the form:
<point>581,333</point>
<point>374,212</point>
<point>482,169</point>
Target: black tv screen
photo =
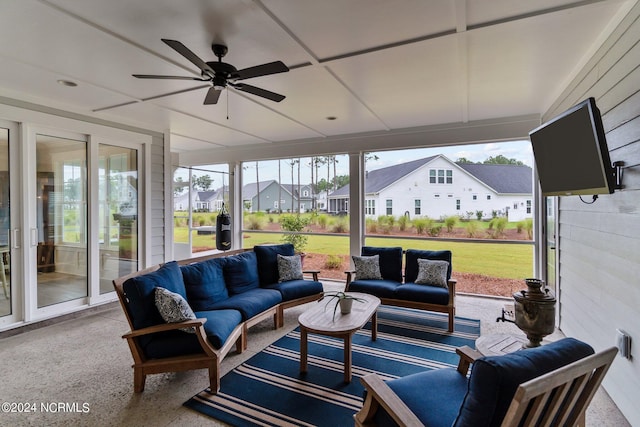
<point>571,153</point>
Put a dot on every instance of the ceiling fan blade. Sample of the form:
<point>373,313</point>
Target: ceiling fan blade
<point>258,91</point>
<point>153,76</point>
<point>184,51</point>
<point>212,96</point>
<point>261,70</point>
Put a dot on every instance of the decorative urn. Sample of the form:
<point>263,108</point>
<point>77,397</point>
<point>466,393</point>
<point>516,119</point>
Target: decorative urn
<point>535,311</point>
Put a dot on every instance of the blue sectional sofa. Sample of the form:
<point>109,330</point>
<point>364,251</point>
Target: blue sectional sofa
<point>398,289</point>
<point>227,293</point>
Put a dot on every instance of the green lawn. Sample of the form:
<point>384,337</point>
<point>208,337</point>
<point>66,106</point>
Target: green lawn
<point>509,261</point>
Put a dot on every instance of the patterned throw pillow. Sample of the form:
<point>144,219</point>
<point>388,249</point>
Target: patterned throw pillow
<point>432,272</point>
<point>289,268</point>
<point>367,267</point>
<point>173,308</point>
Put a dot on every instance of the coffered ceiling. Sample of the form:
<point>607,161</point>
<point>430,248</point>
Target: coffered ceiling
<point>373,65</point>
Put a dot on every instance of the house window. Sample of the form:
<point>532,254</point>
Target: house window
<point>389,207</point>
<point>450,196</point>
<point>275,204</point>
<point>515,205</point>
<point>417,210</point>
<point>457,204</point>
<point>432,176</point>
<point>488,196</point>
<point>449,176</point>
<point>437,196</point>
<point>370,207</point>
<point>474,197</point>
<point>305,193</point>
<point>440,176</point>
<point>528,206</point>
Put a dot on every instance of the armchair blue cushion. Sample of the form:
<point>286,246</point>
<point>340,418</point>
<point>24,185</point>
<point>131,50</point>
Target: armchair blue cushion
<point>390,261</point>
<point>204,282</point>
<point>267,257</point>
<point>411,265</point>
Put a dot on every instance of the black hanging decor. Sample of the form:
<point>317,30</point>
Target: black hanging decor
<point>223,229</point>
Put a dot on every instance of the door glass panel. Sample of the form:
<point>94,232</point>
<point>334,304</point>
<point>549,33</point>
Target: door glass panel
<point>61,218</point>
<point>5,226</point>
<point>118,213</point>
<point>551,243</point>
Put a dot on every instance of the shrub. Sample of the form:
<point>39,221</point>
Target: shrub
<point>323,220</point>
<point>295,223</point>
<point>479,215</point>
<point>402,222</point>
<point>528,226</point>
<point>450,222</point>
<point>340,226</point>
<point>496,227</point>
<point>371,225</point>
<point>333,262</point>
<point>435,230</point>
<point>422,224</point>
<point>472,229</point>
<point>254,222</point>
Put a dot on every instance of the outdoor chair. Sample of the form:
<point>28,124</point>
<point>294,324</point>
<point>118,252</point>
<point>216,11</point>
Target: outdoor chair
<point>548,385</point>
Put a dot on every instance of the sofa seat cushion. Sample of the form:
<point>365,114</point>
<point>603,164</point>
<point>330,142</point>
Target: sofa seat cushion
<point>294,289</point>
<point>390,260</point>
<point>251,302</point>
<point>140,293</point>
<point>379,288</point>
<point>433,396</point>
<point>422,293</point>
<point>219,325</point>
<point>267,257</point>
<point>494,379</point>
<point>204,282</point>
<point>411,265</point>
<point>241,272</point>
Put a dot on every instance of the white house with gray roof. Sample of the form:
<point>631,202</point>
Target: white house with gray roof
<point>436,187</point>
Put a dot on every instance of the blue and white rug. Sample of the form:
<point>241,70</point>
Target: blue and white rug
<point>268,389</point>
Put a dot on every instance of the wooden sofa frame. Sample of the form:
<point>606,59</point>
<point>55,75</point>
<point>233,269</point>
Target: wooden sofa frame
<point>210,358</point>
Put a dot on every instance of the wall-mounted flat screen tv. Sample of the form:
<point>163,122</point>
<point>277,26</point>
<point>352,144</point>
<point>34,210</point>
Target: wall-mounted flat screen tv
<point>571,153</point>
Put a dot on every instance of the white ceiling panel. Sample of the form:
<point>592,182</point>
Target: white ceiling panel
<point>374,65</point>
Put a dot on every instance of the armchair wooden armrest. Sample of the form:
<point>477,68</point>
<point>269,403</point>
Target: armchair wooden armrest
<point>379,394</point>
<point>164,327</point>
<point>467,357</point>
<point>314,273</point>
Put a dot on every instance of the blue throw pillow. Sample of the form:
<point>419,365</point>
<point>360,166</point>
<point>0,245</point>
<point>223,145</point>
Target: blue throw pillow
<point>205,283</point>
<point>411,268</point>
<point>390,261</point>
<point>140,293</point>
<point>241,272</point>
<point>267,256</point>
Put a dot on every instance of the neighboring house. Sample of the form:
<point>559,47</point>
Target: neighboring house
<point>269,193</point>
<point>209,201</point>
<point>435,187</point>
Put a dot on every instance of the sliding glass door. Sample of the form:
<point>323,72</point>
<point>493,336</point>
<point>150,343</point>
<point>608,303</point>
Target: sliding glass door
<point>5,226</point>
<point>61,219</point>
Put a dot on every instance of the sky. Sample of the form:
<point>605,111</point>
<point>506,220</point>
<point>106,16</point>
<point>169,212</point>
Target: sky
<point>519,150</point>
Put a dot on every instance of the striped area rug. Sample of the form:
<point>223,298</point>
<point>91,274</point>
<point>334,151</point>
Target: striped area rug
<point>268,389</point>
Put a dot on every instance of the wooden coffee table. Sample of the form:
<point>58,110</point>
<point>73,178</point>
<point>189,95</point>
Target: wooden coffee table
<point>318,320</point>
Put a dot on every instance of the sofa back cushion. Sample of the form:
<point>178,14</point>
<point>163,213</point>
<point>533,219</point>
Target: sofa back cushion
<point>411,265</point>
<point>204,282</point>
<point>241,272</point>
<point>390,260</point>
<point>267,256</point>
<point>494,380</point>
<point>140,293</point>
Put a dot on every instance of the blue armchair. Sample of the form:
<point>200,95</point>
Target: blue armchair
<point>553,383</point>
